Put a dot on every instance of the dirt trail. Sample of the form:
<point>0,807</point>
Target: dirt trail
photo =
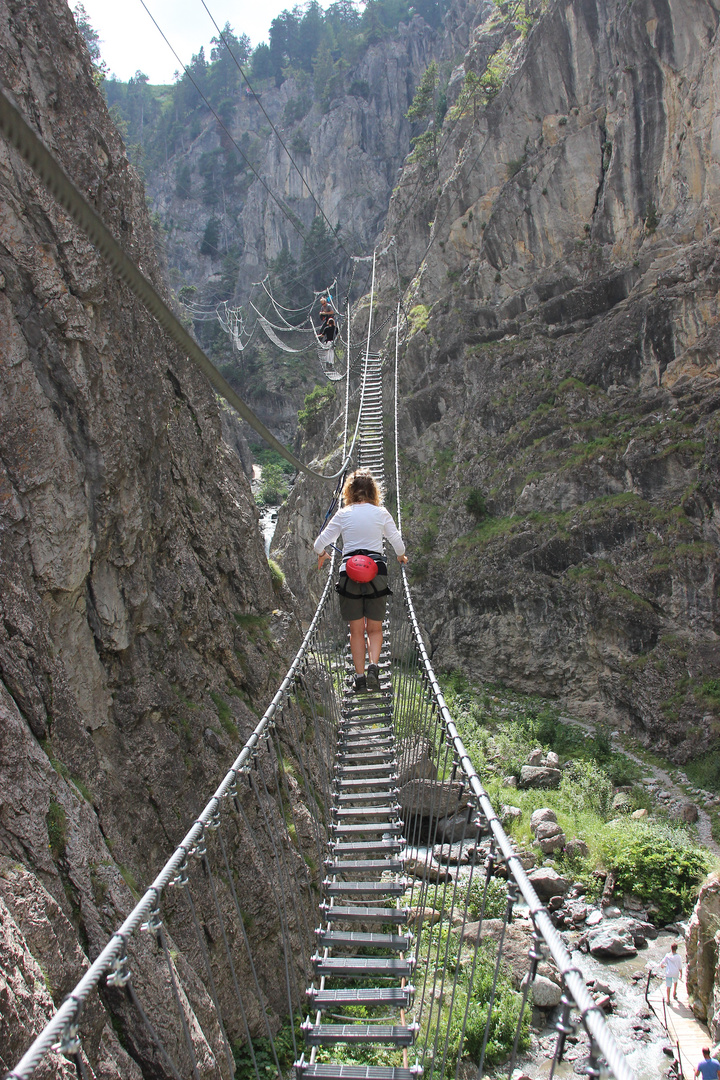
<point>704,825</point>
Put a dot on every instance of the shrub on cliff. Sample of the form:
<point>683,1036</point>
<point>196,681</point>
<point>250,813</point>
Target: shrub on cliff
<point>656,863</point>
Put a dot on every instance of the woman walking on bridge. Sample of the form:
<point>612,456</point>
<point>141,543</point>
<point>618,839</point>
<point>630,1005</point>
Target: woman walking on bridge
<point>364,523</point>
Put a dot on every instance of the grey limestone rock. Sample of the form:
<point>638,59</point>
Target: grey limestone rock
<point>546,994</point>
<point>547,882</point>
<point>543,814</point>
<point>539,776</point>
<point>611,940</point>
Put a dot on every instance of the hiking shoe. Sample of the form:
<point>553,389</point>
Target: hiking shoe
<point>360,685</point>
<point>373,677</point>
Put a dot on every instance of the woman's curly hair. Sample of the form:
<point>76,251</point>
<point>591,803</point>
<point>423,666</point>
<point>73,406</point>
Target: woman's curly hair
<point>362,487</point>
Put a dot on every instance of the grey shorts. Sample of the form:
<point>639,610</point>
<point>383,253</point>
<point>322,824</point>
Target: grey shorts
<point>362,601</point>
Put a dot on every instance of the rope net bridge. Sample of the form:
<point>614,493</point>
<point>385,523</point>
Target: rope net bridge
<point>303,926</point>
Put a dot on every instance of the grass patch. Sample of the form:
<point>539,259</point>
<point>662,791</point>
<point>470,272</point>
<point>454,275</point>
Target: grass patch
<point>225,716</point>
<point>255,626</point>
<point>277,575</point>
<point>419,316</point>
<point>56,821</point>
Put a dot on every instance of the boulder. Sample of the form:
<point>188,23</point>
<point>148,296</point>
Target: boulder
<point>419,915</point>
<point>545,993</point>
<point>539,776</point>
<point>611,939</point>
<point>415,762</point>
<point>430,871</point>
<point>516,946</point>
<point>454,854</point>
<point>552,760</point>
<point>509,813</point>
<point>535,758</point>
<point>639,814</point>
<point>510,781</point>
<point>456,827</point>
<point>577,912</point>
<point>594,918</point>
<point>541,815</point>
<point>689,813</point>
<point>550,844</point>
<point>423,798</point>
<point>547,882</point>
<point>576,848</point>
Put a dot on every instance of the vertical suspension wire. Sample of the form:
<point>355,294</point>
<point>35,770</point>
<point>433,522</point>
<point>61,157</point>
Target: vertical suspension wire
<point>176,995</point>
<point>211,977</point>
<point>347,380</point>
<point>285,929</point>
<point>284,878</point>
<point>397,440</point>
<point>228,951</point>
<point>248,949</point>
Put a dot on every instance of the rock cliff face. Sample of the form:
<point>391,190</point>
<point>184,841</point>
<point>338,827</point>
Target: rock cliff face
<point>559,415</point>
<point>137,611</point>
<point>351,158</point>
<point>703,957</point>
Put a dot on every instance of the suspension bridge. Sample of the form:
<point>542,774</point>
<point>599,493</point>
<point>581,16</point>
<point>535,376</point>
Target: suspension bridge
<point>302,926</point>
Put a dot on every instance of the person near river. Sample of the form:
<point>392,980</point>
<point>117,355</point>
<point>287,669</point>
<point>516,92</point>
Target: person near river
<point>364,523</point>
<point>672,963</point>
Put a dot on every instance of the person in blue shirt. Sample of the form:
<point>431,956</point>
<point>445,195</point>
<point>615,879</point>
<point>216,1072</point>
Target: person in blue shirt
<point>709,1067</point>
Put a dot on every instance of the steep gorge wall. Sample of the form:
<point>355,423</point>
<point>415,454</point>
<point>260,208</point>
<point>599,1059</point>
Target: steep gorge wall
<point>134,590</point>
<point>560,406</point>
<point>559,385</point>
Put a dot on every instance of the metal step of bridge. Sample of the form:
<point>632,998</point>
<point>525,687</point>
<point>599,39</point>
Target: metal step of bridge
<point>364,888</point>
<point>364,747</point>
<point>364,797</point>
<point>363,866</point>
<point>380,783</point>
<point>380,1034</point>
<point>354,1072</point>
<point>385,916</point>
<point>383,754</point>
<point>361,938</point>
<point>382,769</point>
<point>359,967</point>
<point>399,996</point>
<point>368,847</point>
<point>393,828</point>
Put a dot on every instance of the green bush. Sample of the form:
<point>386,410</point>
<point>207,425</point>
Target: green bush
<point>585,784</point>
<point>314,404</point>
<point>276,575</point>
<point>56,821</point>
<point>274,487</point>
<point>504,1019</point>
<point>475,504</point>
<point>656,863</point>
<point>495,901</point>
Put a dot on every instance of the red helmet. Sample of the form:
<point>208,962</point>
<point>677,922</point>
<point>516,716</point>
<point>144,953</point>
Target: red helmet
<point>361,568</point>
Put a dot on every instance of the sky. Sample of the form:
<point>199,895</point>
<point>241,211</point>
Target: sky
<point>129,42</point>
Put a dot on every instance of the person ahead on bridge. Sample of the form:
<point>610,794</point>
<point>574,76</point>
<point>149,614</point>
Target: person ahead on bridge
<point>329,329</point>
<point>673,969</point>
<point>364,523</point>
<point>326,309</point>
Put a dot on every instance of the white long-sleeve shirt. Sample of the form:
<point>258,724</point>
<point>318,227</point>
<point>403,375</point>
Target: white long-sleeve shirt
<point>363,527</point>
